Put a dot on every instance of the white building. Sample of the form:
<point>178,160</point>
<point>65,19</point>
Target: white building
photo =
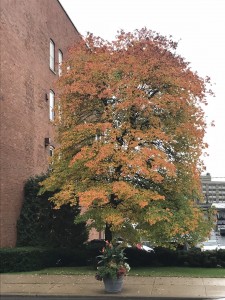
<point>214,191</point>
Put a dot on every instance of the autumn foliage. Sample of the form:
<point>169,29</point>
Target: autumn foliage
<point>130,133</point>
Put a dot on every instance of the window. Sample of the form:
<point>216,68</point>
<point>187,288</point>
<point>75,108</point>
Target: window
<point>60,59</point>
<point>51,105</point>
<point>51,154</point>
<point>51,151</point>
<point>52,56</point>
<point>59,111</point>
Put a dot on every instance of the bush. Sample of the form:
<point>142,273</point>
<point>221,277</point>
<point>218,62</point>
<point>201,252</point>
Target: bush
<point>30,258</point>
<point>23,259</point>
<point>221,258</point>
<point>72,257</point>
<point>140,258</point>
<point>93,249</point>
<point>26,259</point>
<point>167,257</point>
<point>42,225</point>
<point>192,258</point>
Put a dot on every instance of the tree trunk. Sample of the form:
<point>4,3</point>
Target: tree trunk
<point>108,232</point>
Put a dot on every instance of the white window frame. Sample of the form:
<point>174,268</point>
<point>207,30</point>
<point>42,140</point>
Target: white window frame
<point>52,55</point>
<point>51,151</point>
<point>60,60</point>
<point>51,105</point>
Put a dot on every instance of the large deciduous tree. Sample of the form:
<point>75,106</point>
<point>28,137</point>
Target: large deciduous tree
<point>130,133</point>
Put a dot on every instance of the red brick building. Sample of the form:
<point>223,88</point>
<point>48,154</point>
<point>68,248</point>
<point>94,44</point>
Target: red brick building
<point>35,36</point>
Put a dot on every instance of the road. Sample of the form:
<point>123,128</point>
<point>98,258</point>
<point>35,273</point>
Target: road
<point>219,240</point>
<point>109,297</point>
<point>215,241</point>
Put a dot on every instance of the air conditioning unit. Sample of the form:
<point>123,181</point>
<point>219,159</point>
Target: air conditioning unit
<point>47,142</point>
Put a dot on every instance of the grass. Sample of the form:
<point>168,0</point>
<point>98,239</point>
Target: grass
<point>179,272</point>
<point>144,271</point>
<point>67,271</point>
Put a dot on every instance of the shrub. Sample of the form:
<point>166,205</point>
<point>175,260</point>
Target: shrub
<point>140,258</point>
<point>26,259</point>
<point>42,225</point>
<point>93,249</point>
<point>221,258</point>
<point>166,257</point>
<point>23,259</point>
<point>72,257</point>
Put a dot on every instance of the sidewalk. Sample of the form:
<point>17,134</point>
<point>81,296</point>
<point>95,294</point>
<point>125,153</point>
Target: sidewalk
<point>70,285</point>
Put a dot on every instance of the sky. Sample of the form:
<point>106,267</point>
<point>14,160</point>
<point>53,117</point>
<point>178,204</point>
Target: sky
<point>198,26</point>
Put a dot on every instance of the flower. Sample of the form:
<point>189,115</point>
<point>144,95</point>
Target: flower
<point>112,263</point>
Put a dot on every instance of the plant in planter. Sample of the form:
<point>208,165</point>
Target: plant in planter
<point>112,267</point>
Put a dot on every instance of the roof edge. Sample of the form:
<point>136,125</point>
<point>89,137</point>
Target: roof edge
<point>69,18</point>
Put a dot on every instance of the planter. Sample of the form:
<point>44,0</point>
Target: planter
<point>113,285</point>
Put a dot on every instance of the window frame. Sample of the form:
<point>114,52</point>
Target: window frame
<point>51,105</point>
<point>51,151</point>
<point>52,55</point>
<point>60,60</point>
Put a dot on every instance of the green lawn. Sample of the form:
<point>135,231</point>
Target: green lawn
<point>179,272</point>
<point>152,272</point>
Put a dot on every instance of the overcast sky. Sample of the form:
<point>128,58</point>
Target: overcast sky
<point>198,25</point>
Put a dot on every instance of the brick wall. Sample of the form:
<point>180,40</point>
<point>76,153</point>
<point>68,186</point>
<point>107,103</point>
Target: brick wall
<point>26,30</point>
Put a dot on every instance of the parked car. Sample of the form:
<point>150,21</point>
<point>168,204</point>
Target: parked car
<point>142,245</point>
<point>145,247</point>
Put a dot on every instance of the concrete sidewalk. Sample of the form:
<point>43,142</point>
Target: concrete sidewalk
<point>70,285</point>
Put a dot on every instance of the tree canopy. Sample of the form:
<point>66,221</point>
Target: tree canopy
<point>130,133</point>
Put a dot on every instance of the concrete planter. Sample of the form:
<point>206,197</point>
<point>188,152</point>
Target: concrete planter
<point>113,285</point>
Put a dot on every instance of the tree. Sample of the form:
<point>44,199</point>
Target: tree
<point>130,130</point>
<point>42,225</point>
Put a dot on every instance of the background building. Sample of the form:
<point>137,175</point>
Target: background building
<point>214,196</point>
<point>35,36</point>
<point>214,191</point>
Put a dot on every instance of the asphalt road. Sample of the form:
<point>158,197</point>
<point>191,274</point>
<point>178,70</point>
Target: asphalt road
<point>98,298</point>
<point>220,240</point>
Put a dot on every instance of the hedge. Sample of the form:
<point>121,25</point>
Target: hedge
<point>167,257</point>
<point>23,259</point>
